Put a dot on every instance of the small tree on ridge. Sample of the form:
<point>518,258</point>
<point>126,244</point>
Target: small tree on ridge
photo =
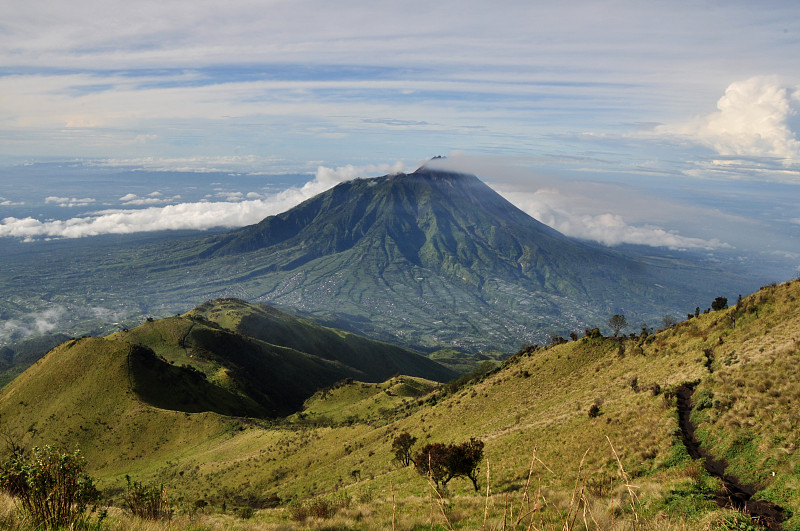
<point>617,323</point>
<point>720,303</point>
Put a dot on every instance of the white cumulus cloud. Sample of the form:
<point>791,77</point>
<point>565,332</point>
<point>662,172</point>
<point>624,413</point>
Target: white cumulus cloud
<point>575,208</point>
<point>753,119</point>
<point>194,216</point>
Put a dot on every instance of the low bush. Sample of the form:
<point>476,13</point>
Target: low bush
<point>50,486</point>
<point>321,508</point>
<point>146,501</point>
<point>704,400</point>
<point>443,462</point>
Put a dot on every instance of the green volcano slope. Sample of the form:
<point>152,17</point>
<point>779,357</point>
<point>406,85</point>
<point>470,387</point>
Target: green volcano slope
<point>569,429</point>
<point>436,258</point>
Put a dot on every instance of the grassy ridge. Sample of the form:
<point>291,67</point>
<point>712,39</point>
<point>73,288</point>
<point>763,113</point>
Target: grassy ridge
<point>266,357</point>
<point>82,394</point>
<point>374,359</point>
<point>537,403</point>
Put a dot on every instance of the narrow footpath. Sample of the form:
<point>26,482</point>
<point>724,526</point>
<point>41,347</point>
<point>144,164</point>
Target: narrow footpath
<point>734,494</point>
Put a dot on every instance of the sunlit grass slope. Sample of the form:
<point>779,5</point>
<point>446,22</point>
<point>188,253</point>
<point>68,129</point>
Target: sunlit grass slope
<point>749,412</point>
<point>83,394</point>
<point>621,468</point>
<point>350,401</point>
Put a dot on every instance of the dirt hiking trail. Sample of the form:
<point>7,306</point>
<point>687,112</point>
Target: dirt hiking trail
<point>734,494</point>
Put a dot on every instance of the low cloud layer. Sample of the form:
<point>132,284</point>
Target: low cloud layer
<point>182,216</point>
<point>56,318</point>
<point>36,323</point>
<point>551,208</point>
<point>155,198</point>
<point>69,201</point>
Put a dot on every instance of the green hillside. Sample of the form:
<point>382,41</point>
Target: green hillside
<point>84,393</point>
<point>548,461</point>
<point>375,360</point>
<point>277,378</point>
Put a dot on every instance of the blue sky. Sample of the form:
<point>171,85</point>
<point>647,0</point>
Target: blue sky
<point>688,108</point>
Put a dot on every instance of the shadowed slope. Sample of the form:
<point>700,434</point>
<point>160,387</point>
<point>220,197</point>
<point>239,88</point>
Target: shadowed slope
<point>278,379</point>
<point>267,357</point>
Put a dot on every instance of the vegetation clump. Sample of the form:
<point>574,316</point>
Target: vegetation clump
<point>146,501</point>
<point>321,507</point>
<point>720,303</point>
<point>442,462</point>
<point>50,486</point>
<point>593,333</point>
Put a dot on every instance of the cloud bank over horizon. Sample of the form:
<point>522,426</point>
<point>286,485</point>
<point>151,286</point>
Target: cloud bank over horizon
<point>555,204</point>
<point>575,208</point>
<point>607,228</point>
<point>201,215</point>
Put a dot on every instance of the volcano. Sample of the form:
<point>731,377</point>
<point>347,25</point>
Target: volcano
<point>434,258</point>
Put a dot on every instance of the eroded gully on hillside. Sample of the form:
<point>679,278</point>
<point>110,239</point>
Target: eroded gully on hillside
<point>734,494</point>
